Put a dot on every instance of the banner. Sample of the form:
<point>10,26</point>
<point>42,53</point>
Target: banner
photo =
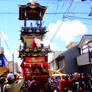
<point>3,64</point>
<point>35,59</point>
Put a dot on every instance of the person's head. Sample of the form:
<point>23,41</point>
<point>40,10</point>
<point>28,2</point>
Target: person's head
<point>71,76</point>
<point>82,76</point>
<point>66,77</point>
<point>63,77</point>
<point>10,78</point>
<point>31,24</point>
<point>3,81</point>
<point>76,75</point>
<point>16,76</point>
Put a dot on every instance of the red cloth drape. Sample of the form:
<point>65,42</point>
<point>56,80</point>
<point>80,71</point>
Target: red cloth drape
<point>34,44</point>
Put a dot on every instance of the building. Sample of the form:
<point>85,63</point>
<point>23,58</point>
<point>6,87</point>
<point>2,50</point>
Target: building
<point>68,59</point>
<point>84,60</point>
<point>52,63</point>
<point>13,66</point>
<point>77,57</point>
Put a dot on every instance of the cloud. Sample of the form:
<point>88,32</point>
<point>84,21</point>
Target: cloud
<point>3,36</point>
<point>67,30</point>
<point>53,29</point>
<point>51,44</point>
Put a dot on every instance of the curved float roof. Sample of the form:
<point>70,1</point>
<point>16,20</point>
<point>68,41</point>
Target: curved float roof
<point>31,11</point>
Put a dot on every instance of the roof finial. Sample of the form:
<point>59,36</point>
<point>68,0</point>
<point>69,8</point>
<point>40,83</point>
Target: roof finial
<point>33,1</point>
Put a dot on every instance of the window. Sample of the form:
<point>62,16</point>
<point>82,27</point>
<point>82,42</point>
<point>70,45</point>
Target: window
<point>87,47</point>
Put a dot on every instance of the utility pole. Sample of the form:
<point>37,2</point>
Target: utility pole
<point>13,61</point>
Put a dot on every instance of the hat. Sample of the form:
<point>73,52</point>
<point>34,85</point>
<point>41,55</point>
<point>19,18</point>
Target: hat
<point>10,76</point>
<point>3,81</point>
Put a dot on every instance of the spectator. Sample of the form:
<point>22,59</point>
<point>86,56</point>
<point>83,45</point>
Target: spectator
<point>82,83</point>
<point>91,82</point>
<point>57,84</point>
<point>34,85</point>
<point>75,83</point>
<point>87,83</point>
<point>70,80</point>
<point>24,87</point>
<point>63,84</point>
<point>50,87</point>
<point>12,85</point>
<point>3,81</point>
<point>31,25</point>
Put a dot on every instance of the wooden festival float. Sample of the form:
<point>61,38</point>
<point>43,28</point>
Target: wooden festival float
<point>33,53</point>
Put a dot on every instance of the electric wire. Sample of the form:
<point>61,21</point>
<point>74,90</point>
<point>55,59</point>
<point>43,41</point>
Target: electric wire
<point>57,4</point>
<point>67,10</point>
<point>63,4</point>
<point>56,10</point>
<point>74,6</point>
<point>64,14</point>
<point>75,17</point>
<point>6,44</point>
<point>54,15</point>
<point>77,6</point>
<point>49,13</point>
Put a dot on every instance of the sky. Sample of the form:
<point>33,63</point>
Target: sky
<point>65,20</point>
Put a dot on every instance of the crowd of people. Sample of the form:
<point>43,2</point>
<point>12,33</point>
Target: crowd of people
<point>66,83</point>
<point>71,83</point>
<point>16,83</point>
<point>11,83</point>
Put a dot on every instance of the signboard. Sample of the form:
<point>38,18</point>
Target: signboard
<point>35,59</point>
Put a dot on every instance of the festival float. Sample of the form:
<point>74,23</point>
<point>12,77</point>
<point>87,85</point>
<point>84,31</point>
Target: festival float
<point>33,53</point>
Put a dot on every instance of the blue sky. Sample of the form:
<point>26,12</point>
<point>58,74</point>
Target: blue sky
<point>70,15</point>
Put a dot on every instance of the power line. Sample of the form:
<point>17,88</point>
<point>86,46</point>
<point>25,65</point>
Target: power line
<point>8,13</point>
<point>67,10</point>
<point>65,16</point>
<point>64,4</point>
<point>6,43</point>
<point>75,17</point>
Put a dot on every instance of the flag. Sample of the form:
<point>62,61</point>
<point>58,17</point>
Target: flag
<point>3,64</point>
